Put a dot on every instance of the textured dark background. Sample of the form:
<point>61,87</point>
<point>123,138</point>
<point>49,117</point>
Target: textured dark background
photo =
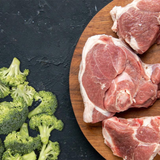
<point>43,34</point>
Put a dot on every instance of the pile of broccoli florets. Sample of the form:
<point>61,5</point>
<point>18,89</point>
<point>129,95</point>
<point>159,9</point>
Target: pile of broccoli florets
<point>16,119</point>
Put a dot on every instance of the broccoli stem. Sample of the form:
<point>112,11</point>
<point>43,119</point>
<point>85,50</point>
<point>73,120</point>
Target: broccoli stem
<point>49,151</point>
<point>4,90</point>
<point>20,91</point>
<point>42,155</point>
<point>14,68</point>
<point>36,111</point>
<point>45,133</point>
<point>24,130</point>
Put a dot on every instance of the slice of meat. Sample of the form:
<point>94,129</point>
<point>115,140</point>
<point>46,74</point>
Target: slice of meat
<point>138,23</point>
<point>133,139</point>
<point>112,79</point>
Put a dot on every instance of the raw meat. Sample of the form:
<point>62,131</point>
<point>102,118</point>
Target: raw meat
<point>138,23</point>
<point>133,139</point>
<point>112,79</point>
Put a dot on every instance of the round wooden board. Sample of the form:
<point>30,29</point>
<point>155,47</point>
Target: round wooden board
<point>101,24</point>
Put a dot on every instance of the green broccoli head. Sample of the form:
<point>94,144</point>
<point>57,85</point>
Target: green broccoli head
<point>12,115</point>
<point>50,151</point>
<point>9,155</point>
<point>13,76</point>
<point>20,142</point>
<point>4,90</point>
<point>45,124</point>
<point>48,103</point>
<point>25,91</point>
<point>1,149</point>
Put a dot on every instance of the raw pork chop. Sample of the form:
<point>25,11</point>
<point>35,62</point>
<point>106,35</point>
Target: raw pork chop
<point>112,79</point>
<point>133,139</point>
<point>138,23</point>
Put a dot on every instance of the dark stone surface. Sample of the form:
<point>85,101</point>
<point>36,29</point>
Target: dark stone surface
<point>43,34</point>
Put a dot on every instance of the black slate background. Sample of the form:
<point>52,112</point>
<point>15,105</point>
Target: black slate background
<point>43,34</point>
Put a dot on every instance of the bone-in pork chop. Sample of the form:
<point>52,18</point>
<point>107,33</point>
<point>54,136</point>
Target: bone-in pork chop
<point>112,79</point>
<point>138,23</point>
<point>133,139</point>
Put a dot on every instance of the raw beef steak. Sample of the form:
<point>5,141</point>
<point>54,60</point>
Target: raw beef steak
<point>133,139</point>
<point>112,79</point>
<point>138,23</point>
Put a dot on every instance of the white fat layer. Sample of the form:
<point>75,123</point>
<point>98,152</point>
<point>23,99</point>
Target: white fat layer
<point>89,106</point>
<point>114,13</point>
<point>148,69</point>
<point>107,137</point>
<point>158,18</point>
<point>133,43</point>
<point>147,122</point>
<point>155,152</point>
<point>104,112</point>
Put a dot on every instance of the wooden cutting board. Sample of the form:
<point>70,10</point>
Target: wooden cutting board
<point>101,24</point>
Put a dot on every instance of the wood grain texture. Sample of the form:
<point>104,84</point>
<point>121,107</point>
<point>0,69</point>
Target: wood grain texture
<point>101,24</point>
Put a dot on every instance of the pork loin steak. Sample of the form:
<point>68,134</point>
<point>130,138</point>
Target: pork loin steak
<point>138,23</point>
<point>133,139</point>
<point>112,79</point>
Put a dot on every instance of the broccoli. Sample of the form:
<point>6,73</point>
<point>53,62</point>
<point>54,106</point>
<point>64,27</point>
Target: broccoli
<point>12,115</point>
<point>25,91</point>
<point>20,142</point>
<point>12,76</point>
<point>10,155</point>
<point>49,151</point>
<point>4,90</point>
<point>48,103</point>
<point>1,149</point>
<point>45,124</point>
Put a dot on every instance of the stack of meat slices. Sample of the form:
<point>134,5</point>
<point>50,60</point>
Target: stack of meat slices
<point>113,79</point>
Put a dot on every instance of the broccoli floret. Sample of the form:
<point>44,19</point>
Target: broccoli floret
<point>29,156</point>
<point>12,115</point>
<point>49,151</point>
<point>9,155</point>
<point>12,76</point>
<point>4,90</point>
<point>20,142</point>
<point>1,149</point>
<point>48,103</point>
<point>25,91</point>
<point>45,124</point>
